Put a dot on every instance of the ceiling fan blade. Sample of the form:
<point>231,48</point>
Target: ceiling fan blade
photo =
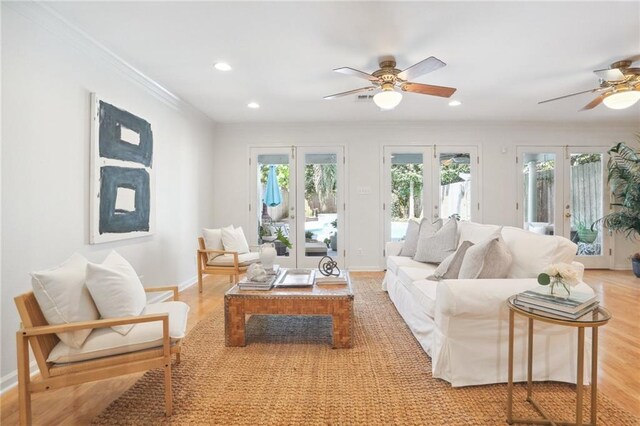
<point>594,103</point>
<point>350,92</point>
<point>427,89</point>
<point>573,94</point>
<point>421,68</point>
<point>609,74</point>
<point>356,73</point>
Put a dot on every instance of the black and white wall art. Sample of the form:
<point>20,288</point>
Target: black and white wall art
<point>121,204</point>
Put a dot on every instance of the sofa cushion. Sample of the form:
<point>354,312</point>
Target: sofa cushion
<point>475,232</point>
<point>408,274</point>
<point>63,297</point>
<point>532,253</point>
<point>424,292</point>
<point>106,342</point>
<point>116,289</point>
<point>396,262</point>
<point>244,259</point>
<point>487,259</point>
<point>450,267</point>
<point>411,237</point>
<point>435,248</point>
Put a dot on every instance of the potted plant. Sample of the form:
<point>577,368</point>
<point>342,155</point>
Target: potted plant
<point>308,236</point>
<point>334,236</point>
<point>282,242</point>
<point>586,234</point>
<point>624,179</point>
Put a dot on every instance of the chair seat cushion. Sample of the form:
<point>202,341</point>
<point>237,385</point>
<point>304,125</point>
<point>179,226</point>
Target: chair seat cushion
<point>107,342</point>
<point>244,259</point>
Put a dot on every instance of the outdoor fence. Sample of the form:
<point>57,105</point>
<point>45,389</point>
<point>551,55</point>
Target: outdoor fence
<point>586,194</point>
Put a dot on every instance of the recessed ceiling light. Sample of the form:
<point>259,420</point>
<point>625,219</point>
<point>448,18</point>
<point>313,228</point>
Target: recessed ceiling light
<point>455,103</point>
<point>222,66</point>
<point>253,105</point>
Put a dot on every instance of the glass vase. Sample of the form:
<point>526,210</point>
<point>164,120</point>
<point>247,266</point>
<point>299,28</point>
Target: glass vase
<point>559,288</point>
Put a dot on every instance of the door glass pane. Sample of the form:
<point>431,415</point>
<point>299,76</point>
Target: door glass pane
<point>273,196</point>
<point>586,203</point>
<point>455,185</point>
<point>406,191</point>
<point>320,205</point>
<point>539,192</point>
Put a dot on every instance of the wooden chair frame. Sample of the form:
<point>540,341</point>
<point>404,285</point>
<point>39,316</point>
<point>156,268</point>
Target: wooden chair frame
<point>233,271</point>
<point>42,337</point>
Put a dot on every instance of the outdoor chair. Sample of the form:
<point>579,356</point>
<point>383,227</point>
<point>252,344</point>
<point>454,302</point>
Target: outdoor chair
<point>145,348</point>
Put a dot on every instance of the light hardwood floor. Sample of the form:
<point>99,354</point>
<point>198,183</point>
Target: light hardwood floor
<point>619,373</point>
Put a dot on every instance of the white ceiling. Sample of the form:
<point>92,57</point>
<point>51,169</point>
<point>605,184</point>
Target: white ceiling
<point>503,57</point>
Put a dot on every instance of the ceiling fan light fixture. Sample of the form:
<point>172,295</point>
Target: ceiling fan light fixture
<point>622,99</point>
<point>387,99</point>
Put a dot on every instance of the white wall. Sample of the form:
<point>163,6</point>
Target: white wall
<point>46,83</point>
<point>364,142</point>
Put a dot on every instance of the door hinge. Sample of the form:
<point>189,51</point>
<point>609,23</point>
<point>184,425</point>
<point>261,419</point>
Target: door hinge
<point>344,160</point>
<point>344,253</point>
<point>478,206</point>
<point>384,252</point>
<point>610,252</point>
<point>249,160</point>
<point>384,206</point>
<point>293,152</point>
<point>344,206</point>
<point>566,152</point>
<point>434,151</point>
<point>517,159</point>
<point>517,206</point>
<point>249,206</point>
<point>478,160</point>
<point>384,159</point>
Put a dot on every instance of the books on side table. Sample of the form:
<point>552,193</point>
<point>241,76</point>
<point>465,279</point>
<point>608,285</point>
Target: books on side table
<point>540,300</point>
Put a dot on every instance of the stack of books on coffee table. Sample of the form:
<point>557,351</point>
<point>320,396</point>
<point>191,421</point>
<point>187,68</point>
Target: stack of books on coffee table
<point>340,279</point>
<point>540,301</point>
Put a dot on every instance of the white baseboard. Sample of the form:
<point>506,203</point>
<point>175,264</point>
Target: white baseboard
<point>366,269</point>
<point>10,380</point>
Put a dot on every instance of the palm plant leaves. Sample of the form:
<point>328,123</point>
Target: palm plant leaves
<point>624,180</point>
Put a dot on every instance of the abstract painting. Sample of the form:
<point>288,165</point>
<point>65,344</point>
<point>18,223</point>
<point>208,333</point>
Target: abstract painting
<point>121,204</point>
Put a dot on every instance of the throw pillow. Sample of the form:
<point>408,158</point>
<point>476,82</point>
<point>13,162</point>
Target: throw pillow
<point>64,298</point>
<point>435,248</point>
<point>450,267</point>
<point>233,239</point>
<point>116,289</point>
<point>411,238</point>
<point>212,241</point>
<point>487,259</point>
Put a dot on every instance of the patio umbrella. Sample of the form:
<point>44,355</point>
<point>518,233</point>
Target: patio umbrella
<point>272,195</point>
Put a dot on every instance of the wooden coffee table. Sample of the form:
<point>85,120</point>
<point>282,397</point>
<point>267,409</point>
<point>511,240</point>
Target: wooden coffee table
<point>335,301</point>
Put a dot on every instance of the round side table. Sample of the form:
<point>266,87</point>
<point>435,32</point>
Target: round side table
<point>598,317</point>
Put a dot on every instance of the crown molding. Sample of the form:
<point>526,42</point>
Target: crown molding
<point>71,35</point>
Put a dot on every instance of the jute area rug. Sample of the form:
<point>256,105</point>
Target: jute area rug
<point>289,375</point>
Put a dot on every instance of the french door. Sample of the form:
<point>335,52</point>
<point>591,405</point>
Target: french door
<point>308,221</point>
<point>428,181</point>
<point>562,191</point>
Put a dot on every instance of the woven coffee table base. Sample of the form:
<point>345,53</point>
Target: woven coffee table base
<point>339,308</point>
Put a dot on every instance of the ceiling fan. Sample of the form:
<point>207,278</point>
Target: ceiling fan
<point>387,78</point>
<point>619,87</point>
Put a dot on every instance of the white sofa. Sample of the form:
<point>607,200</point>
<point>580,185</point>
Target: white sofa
<point>463,325</point>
